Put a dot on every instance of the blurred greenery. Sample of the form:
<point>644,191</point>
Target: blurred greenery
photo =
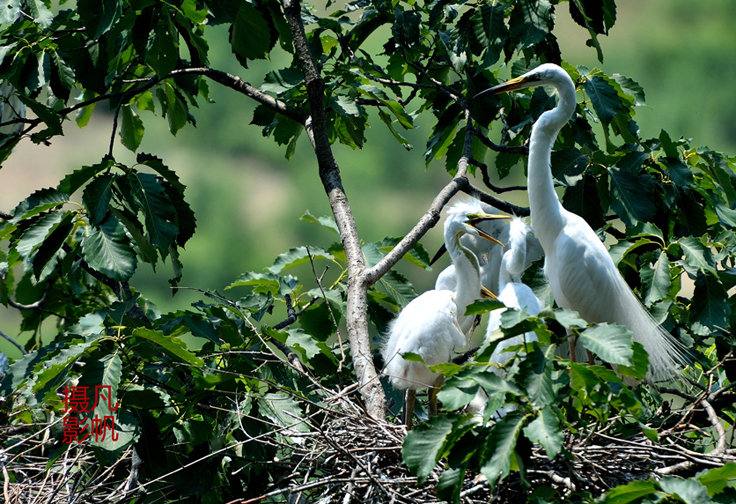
<point>241,186</point>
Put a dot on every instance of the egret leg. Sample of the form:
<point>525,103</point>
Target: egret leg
<point>432,394</point>
<point>591,358</point>
<point>573,340</point>
<point>409,399</point>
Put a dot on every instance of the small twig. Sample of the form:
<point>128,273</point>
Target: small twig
<point>511,149</point>
<point>32,306</point>
<point>329,309</point>
<point>17,345</point>
<point>487,180</point>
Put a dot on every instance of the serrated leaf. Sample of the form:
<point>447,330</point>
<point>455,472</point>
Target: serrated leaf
<point>545,430</point>
<point>96,197</point>
<point>131,128</point>
<point>483,306</point>
<point>710,305</point>
<point>611,343</point>
<point>697,257</point>
<point>603,97</point>
<point>660,282</point>
<point>326,221</point>
<point>79,177</point>
<point>107,250</point>
<point>34,235</point>
<point>251,36</point>
<point>536,375</point>
<point>423,446</point>
<point>171,344</point>
<point>160,215</point>
<point>38,202</point>
<point>47,254</point>
<point>284,411</point>
<point>500,448</point>
<point>299,255</point>
<point>631,198</point>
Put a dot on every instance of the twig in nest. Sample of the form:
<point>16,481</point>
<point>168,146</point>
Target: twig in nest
<point>329,309</point>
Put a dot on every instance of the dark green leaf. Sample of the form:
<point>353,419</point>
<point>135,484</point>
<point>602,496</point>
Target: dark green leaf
<point>99,15</point>
<point>131,130</point>
<point>710,302</point>
<point>251,36</point>
<point>160,214</point>
<point>660,281</point>
<point>603,97</point>
<point>96,198</point>
<point>500,448</point>
<point>107,250</point>
<point>424,445</point>
<point>697,257</point>
<point>171,344</point>
<point>48,252</point>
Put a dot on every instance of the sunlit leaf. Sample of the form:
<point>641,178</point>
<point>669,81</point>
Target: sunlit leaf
<point>611,343</point>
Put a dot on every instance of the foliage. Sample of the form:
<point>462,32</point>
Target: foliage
<point>198,385</point>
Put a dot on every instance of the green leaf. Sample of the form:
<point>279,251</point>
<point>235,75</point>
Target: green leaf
<point>131,130</point>
<point>612,343</point>
<point>38,202</point>
<point>536,372</point>
<point>424,445</point>
<point>107,250</point>
<point>603,97</point>
<point>697,257</point>
<point>660,281</point>
<point>483,306</point>
<point>163,54</point>
<point>631,198</point>
<point>691,491</point>
<point>630,492</point>
<point>79,177</point>
<point>171,344</point>
<point>299,255</point>
<point>50,250</point>
<point>546,430</point>
<point>104,371</point>
<point>283,411</point>
<point>251,35</point>
<point>326,221</point>
<point>500,448</point>
<point>34,235</point>
<point>710,306</point>
<point>160,214</point>
<point>96,197</point>
<point>715,480</point>
<point>99,15</point>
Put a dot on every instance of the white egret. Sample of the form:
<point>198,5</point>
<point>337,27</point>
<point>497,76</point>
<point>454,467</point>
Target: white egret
<point>513,292</point>
<point>581,273</point>
<point>430,325</point>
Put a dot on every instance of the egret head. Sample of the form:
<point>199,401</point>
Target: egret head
<point>545,74</point>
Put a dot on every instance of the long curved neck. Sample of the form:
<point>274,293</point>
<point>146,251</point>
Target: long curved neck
<point>467,270</point>
<point>545,207</point>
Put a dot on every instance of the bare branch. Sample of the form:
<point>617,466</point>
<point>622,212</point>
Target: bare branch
<point>487,180</point>
<point>17,345</point>
<point>329,172</point>
<point>511,149</point>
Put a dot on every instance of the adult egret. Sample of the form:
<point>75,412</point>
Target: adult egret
<point>580,272</point>
<point>430,325</point>
<point>513,292</point>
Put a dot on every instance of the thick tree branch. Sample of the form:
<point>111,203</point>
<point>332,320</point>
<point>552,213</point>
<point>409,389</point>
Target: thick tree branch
<point>329,172</point>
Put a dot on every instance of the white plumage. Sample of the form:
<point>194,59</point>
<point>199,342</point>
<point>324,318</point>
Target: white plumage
<point>430,325</point>
<point>513,293</point>
<point>581,274</point>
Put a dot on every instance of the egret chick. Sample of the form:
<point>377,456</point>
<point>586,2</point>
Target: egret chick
<point>430,325</point>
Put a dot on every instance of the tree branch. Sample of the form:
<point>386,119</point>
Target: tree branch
<point>17,345</point>
<point>431,216</point>
<point>329,172</point>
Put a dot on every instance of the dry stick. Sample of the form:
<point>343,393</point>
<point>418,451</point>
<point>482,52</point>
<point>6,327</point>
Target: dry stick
<point>329,172</point>
<point>329,309</point>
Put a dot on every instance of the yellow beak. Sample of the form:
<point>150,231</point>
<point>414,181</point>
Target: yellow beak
<point>486,293</point>
<point>520,82</point>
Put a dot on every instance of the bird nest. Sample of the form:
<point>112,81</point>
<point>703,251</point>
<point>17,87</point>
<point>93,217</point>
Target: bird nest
<point>351,457</point>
